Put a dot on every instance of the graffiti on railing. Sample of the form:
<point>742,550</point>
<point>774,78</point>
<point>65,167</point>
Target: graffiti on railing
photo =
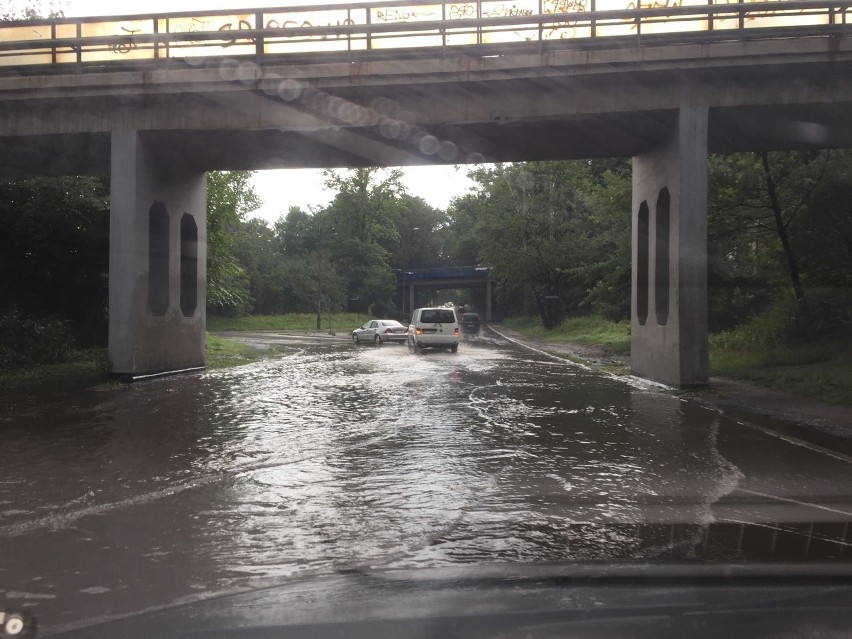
<point>125,45</point>
<point>654,4</point>
<point>278,30</point>
<point>749,16</point>
<point>461,11</point>
<point>562,30</point>
<point>236,25</point>
<point>405,15</point>
<point>506,11</point>
<point>550,7</point>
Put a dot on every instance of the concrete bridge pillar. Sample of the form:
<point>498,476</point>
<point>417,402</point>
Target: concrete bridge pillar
<point>157,260</point>
<point>669,281</point>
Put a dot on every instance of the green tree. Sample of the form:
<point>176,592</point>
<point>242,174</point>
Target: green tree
<point>461,240</point>
<point>54,253</point>
<point>605,255</point>
<point>780,238</point>
<point>359,231</point>
<point>296,233</point>
<point>254,249</point>
<point>531,222</point>
<point>421,232</point>
<point>230,197</point>
<point>556,235</point>
<point>823,236</point>
<point>32,9</point>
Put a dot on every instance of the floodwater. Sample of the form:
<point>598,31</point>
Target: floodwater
<point>330,456</point>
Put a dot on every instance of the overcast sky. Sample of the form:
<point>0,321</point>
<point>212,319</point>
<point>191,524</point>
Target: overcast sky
<point>303,187</point>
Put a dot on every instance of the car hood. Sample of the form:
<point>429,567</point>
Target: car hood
<point>510,600</point>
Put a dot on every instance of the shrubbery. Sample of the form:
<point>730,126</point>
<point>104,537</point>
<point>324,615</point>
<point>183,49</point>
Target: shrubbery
<point>825,313</point>
<point>31,339</point>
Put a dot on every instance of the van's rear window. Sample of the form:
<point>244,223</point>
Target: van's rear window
<point>438,316</point>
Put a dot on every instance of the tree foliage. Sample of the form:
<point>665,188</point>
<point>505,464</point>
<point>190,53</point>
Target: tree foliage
<point>54,252</point>
<point>345,255</point>
<point>780,226</point>
<point>553,234</point>
<point>32,9</point>
<point>230,197</point>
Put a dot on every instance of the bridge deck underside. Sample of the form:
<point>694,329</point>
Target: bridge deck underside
<point>457,108</point>
<point>570,137</point>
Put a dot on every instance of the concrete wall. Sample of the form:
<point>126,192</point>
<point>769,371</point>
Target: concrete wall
<point>157,316</point>
<point>669,313</point>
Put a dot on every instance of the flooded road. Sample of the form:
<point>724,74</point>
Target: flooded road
<point>330,456</point>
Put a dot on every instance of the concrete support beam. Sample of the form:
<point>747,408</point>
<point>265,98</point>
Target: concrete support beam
<point>157,261</point>
<point>669,282</point>
<point>488,294</point>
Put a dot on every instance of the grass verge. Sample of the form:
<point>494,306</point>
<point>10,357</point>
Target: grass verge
<point>821,371</point>
<point>89,368</point>
<point>290,322</point>
<point>612,336</point>
<point>84,369</point>
<point>221,352</point>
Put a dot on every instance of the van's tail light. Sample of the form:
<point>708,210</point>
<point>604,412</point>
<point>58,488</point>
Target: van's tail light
<point>418,331</point>
<point>456,332</point>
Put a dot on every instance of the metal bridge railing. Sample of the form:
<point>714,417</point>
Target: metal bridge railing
<point>400,24</point>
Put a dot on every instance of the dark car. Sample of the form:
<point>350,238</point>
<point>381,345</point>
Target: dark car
<point>470,322</point>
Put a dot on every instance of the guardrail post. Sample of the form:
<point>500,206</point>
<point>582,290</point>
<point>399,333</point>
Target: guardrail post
<point>168,43</point>
<point>79,26</point>
<point>368,31</point>
<point>259,46</point>
<point>156,41</point>
<point>479,17</point>
<point>593,25</point>
<point>443,29</point>
<point>540,22</point>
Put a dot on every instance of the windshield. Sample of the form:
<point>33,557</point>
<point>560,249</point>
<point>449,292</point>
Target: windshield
<point>216,216</point>
<point>437,316</point>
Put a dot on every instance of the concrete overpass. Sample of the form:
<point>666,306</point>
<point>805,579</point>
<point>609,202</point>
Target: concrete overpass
<point>477,279</point>
<point>155,101</point>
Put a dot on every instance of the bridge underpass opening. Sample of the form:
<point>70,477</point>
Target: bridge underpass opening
<point>439,285</point>
<point>157,108</point>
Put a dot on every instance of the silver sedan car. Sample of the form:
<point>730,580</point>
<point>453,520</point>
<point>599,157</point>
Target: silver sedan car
<point>380,331</point>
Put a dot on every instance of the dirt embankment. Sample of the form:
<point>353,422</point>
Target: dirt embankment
<point>727,394</point>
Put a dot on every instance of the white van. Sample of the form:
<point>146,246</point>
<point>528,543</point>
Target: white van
<point>434,328</point>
